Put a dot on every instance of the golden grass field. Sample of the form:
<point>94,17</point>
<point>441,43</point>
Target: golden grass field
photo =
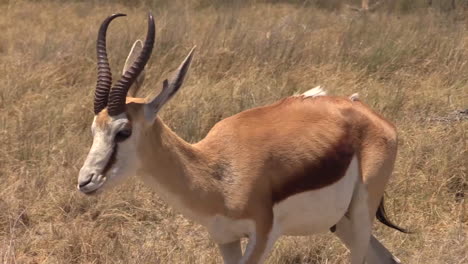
<point>410,64</point>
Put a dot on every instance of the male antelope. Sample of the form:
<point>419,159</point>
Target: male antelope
<point>300,166</point>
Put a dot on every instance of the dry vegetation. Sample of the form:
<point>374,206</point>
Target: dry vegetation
<point>408,63</point>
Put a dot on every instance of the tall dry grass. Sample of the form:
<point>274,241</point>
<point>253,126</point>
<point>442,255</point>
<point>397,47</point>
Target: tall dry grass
<point>410,66</point>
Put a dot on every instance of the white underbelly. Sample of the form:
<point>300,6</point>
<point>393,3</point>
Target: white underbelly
<point>302,214</point>
<point>316,211</point>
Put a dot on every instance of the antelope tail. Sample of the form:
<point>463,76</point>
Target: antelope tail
<point>383,218</point>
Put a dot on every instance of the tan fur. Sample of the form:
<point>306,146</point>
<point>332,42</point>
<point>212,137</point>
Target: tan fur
<point>232,180</point>
<point>102,119</point>
<point>235,170</point>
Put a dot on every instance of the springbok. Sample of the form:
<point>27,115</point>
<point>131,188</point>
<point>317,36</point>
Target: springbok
<point>306,164</point>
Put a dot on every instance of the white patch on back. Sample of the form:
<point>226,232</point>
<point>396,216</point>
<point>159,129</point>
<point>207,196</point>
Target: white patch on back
<point>354,97</point>
<point>314,92</point>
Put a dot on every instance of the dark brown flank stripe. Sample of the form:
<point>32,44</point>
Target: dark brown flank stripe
<point>326,171</point>
<point>112,160</point>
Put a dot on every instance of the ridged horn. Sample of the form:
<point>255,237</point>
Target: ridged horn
<point>118,93</point>
<point>104,76</point>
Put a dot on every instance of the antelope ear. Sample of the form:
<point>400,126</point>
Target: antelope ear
<point>170,87</point>
<point>134,52</point>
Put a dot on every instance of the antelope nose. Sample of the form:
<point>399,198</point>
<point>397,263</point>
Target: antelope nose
<point>85,181</point>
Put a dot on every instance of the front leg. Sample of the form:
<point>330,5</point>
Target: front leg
<point>231,252</point>
<point>261,240</point>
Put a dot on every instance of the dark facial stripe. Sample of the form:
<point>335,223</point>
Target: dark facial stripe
<point>112,160</point>
<point>327,170</point>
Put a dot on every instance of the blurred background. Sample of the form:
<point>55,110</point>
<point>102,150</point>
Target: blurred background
<point>408,59</point>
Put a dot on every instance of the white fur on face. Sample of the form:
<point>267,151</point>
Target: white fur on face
<point>91,174</point>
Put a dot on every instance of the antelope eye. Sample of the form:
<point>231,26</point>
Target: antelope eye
<point>123,135</point>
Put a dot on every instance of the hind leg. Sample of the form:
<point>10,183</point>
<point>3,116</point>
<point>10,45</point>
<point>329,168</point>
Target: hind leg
<point>361,225</point>
<point>376,253</point>
<point>376,171</point>
<point>354,229</point>
<point>231,252</point>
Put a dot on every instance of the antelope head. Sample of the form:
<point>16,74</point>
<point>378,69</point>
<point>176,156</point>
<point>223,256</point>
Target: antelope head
<point>119,117</point>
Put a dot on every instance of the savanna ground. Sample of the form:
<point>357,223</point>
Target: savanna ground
<point>408,62</point>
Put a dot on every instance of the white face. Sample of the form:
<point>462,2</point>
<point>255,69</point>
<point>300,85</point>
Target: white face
<point>112,156</point>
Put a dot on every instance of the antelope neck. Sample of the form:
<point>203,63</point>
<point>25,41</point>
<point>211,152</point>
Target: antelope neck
<point>180,171</point>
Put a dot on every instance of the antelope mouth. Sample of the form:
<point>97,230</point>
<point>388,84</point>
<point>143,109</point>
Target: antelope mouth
<point>93,185</point>
<point>95,182</point>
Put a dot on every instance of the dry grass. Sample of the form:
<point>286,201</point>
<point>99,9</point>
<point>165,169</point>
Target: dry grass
<point>412,67</point>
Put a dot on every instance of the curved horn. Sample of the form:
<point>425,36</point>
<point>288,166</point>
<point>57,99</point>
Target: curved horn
<point>104,77</point>
<point>118,93</point>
